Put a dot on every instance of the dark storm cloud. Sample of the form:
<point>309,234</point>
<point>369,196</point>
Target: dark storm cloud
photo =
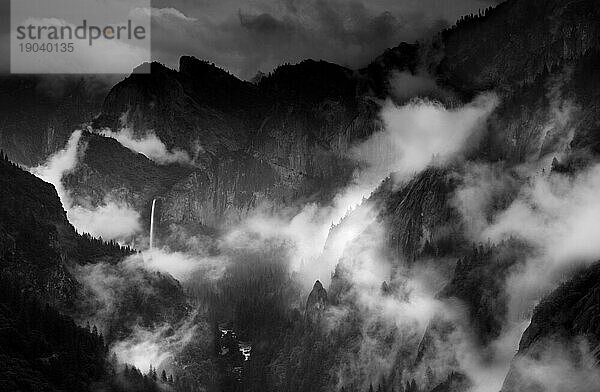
<point>251,35</point>
<point>245,37</point>
<point>263,23</point>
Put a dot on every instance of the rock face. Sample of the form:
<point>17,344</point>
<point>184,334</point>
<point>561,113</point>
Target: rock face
<point>278,141</point>
<point>419,215</point>
<point>236,185</point>
<point>538,54</point>
<point>316,303</point>
<point>564,331</point>
<point>293,118</point>
<point>524,37</point>
<point>39,113</point>
<point>108,169</point>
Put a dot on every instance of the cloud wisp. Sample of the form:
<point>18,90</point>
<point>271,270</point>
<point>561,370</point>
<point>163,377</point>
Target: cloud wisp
<point>112,220</point>
<point>149,145</point>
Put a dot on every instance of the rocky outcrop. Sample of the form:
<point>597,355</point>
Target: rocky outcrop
<point>316,303</point>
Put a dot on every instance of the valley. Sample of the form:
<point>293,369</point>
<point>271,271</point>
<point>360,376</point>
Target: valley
<point>425,223</point>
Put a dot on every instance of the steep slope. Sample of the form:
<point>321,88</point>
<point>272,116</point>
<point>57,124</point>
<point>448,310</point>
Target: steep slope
<point>512,43</point>
<point>41,251</point>
<point>419,215</point>
<point>478,282</point>
<point>31,213</point>
<point>563,335</point>
<point>39,112</point>
<point>106,170</point>
<point>44,350</point>
<point>165,101</point>
<point>524,46</point>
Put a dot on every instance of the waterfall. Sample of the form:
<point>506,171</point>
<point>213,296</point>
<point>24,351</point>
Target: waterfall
<point>152,223</point>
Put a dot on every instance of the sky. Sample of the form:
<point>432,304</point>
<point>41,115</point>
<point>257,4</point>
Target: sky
<point>247,36</point>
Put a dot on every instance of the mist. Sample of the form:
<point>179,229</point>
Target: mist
<point>420,133</point>
<point>555,212</point>
<point>149,145</point>
<point>112,220</point>
<point>155,346</point>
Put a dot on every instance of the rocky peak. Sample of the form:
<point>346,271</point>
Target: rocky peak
<point>317,301</point>
<point>191,66</point>
<point>385,288</point>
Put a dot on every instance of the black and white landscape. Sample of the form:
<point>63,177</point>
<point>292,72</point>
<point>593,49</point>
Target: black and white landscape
<point>422,218</point>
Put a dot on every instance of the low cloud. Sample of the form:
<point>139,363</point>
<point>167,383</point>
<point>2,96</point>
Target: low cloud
<point>155,346</point>
<point>59,164</point>
<point>420,133</point>
<point>181,265</point>
<point>113,220</point>
<point>317,235</point>
<point>558,215</point>
<point>405,85</point>
<point>107,287</point>
<point>149,145</point>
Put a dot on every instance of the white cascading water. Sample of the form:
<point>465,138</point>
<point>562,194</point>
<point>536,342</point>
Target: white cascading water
<point>152,223</point>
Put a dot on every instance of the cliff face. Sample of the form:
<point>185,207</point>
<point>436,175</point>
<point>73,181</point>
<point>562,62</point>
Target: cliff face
<point>106,168</point>
<point>226,193</point>
<point>565,328</point>
<point>292,118</point>
<point>281,140</point>
<point>39,113</point>
<point>522,37</point>
<point>301,119</point>
<point>212,195</point>
<point>419,215</point>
